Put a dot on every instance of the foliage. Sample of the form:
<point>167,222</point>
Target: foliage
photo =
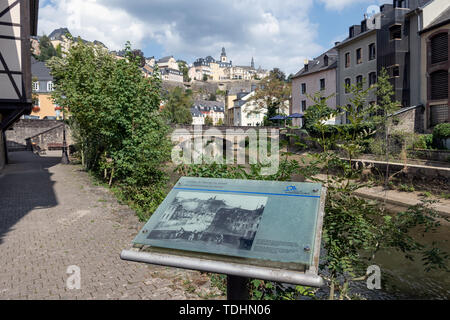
<point>184,69</point>
<point>315,112</point>
<point>178,107</point>
<point>114,116</point>
<point>423,141</point>
<point>278,74</point>
<point>354,229</point>
<point>47,49</point>
<point>212,97</point>
<point>209,121</point>
<point>441,132</point>
<point>272,95</point>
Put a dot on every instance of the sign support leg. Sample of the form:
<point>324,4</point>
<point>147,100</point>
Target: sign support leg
<point>237,288</point>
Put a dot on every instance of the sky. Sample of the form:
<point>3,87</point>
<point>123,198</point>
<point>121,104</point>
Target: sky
<point>277,33</point>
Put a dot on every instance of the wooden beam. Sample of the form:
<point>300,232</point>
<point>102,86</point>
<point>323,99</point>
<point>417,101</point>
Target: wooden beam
<point>9,8</point>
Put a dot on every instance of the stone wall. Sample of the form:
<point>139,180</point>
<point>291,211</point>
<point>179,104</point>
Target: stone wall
<point>42,132</point>
<point>411,121</point>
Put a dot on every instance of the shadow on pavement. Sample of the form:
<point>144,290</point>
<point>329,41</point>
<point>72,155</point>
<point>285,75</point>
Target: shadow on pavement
<point>25,185</point>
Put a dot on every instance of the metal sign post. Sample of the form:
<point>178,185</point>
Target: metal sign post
<point>237,288</point>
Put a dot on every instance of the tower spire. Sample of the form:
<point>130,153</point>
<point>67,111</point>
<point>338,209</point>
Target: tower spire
<point>253,64</point>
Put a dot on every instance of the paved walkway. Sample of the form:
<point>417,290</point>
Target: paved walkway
<point>53,217</point>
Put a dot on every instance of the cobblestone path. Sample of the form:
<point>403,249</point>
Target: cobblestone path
<point>52,216</point>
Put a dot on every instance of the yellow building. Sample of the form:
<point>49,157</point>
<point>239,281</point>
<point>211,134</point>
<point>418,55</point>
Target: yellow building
<point>44,108</point>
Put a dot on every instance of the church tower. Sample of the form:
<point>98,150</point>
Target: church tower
<point>253,64</point>
<point>223,56</point>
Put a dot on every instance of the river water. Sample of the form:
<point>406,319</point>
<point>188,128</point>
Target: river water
<point>405,279</point>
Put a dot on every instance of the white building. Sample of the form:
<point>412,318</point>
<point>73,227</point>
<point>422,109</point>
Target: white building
<point>247,113</point>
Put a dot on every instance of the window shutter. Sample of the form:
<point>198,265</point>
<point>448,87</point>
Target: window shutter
<point>439,48</point>
<point>439,85</point>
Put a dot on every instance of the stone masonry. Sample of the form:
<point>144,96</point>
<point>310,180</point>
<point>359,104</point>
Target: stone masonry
<point>52,216</point>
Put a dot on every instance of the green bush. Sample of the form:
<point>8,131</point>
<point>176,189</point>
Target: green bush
<point>441,132</point>
<point>423,141</point>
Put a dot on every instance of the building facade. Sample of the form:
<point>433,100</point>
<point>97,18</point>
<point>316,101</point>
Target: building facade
<point>435,67</point>
<point>42,85</point>
<point>317,76</point>
<point>247,113</point>
<point>212,109</point>
<point>219,70</point>
<point>358,61</point>
<point>391,40</point>
<point>169,69</point>
<point>18,21</point>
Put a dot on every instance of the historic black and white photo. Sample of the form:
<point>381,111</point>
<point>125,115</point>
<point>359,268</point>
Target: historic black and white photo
<point>223,219</point>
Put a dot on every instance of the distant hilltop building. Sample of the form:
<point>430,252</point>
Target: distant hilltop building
<point>211,69</point>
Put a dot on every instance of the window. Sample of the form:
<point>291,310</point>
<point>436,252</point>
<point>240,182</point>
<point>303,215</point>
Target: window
<point>358,56</point>
<point>439,48</point>
<point>35,86</point>
<point>303,106</point>
<point>347,59</point>
<point>50,86</point>
<point>372,51</point>
<point>372,78</point>
<point>322,84</point>
<point>303,88</point>
<point>359,81</point>
<point>439,85</point>
<point>347,114</point>
<point>325,61</point>
<point>396,71</point>
<point>351,32</point>
<point>395,32</point>
<point>348,83</point>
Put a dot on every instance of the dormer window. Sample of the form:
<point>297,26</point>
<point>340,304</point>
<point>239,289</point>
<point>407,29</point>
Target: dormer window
<point>363,26</point>
<point>325,61</point>
<point>351,32</point>
<point>50,86</point>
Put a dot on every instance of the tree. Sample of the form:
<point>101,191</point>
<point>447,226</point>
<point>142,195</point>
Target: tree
<point>178,107</point>
<point>47,49</point>
<point>272,95</point>
<point>184,69</point>
<point>208,121</point>
<point>205,77</point>
<point>355,229</point>
<point>212,97</point>
<point>114,112</point>
<point>277,73</point>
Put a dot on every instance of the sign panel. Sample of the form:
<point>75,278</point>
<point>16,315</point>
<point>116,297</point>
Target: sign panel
<point>265,220</point>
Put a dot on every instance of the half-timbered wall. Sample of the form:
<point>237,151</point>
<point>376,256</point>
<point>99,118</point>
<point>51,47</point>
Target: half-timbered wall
<point>15,66</point>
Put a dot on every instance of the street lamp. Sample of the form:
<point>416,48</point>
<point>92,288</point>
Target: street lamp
<point>64,156</point>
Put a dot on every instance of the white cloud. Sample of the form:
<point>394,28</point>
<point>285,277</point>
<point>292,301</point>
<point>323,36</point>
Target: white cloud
<point>275,34</point>
<point>338,5</point>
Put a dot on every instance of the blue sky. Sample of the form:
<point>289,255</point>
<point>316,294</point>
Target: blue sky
<point>276,33</point>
